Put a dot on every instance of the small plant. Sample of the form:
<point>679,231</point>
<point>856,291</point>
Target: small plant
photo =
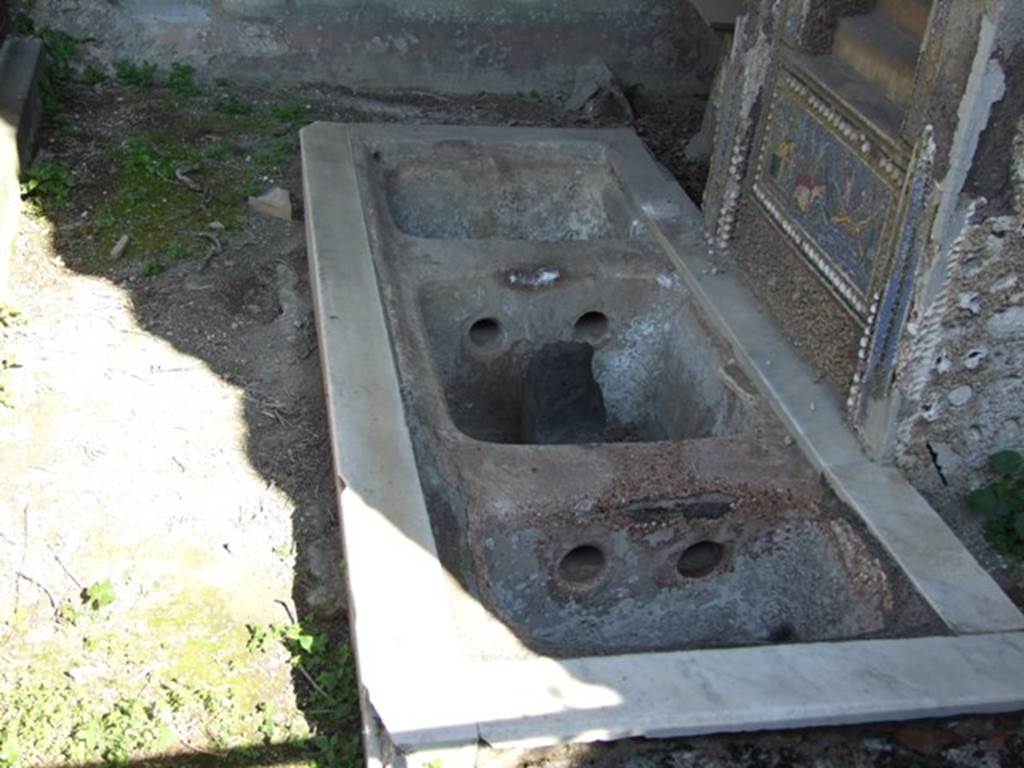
<point>1002,503</point>
<point>48,180</point>
<point>273,159</point>
<point>99,595</point>
<point>93,75</point>
<point>10,316</point>
<point>232,104</point>
<point>289,113</point>
<point>177,251</point>
<point>142,156</point>
<point>329,668</point>
<point>61,52</point>
<point>182,80</point>
<point>142,75</point>
<point>68,613</point>
<point>152,267</point>
<point>23,24</point>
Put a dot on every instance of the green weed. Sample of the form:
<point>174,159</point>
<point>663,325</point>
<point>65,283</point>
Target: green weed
<point>141,75</point>
<point>1002,503</point>
<point>99,595</point>
<point>232,104</point>
<point>23,24</point>
<point>289,113</point>
<point>157,154</point>
<point>48,182</point>
<point>272,160</point>
<point>152,267</point>
<point>61,53</point>
<point>93,75</point>
<point>182,80</point>
<point>329,668</point>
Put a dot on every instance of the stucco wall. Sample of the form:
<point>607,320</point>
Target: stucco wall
<point>963,372</point>
<point>455,46</point>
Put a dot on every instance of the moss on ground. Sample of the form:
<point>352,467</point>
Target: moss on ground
<point>183,681</point>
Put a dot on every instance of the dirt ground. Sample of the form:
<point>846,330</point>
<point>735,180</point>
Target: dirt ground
<point>169,549</point>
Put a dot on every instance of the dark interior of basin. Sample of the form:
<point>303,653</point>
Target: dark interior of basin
<point>600,475</point>
<point>510,193</point>
<point>581,361</point>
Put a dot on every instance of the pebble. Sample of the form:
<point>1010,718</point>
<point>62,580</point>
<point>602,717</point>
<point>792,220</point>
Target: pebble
<point>119,248</point>
<point>275,203</point>
<point>960,396</point>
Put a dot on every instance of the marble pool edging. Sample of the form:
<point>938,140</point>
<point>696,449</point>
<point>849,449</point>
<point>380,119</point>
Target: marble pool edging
<point>421,694</point>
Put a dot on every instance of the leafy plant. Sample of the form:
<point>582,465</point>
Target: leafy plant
<point>61,52</point>
<point>152,267</point>
<point>23,24</point>
<point>93,75</point>
<point>182,80</point>
<point>141,75</point>
<point>232,104</point>
<point>48,180</point>
<point>272,159</point>
<point>140,155</point>
<point>177,250</point>
<point>99,595</point>
<point>10,316</point>
<point>289,113</point>
<point>1002,503</point>
<point>329,669</point>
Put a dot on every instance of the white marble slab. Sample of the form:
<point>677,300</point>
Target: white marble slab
<point>544,702</point>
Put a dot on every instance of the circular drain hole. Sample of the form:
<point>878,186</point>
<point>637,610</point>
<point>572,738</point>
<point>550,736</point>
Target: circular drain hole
<point>700,559</point>
<point>783,633</point>
<point>582,565</point>
<point>485,332</point>
<point>592,326</point>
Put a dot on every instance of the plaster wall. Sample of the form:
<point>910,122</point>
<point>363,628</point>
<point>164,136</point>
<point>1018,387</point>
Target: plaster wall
<point>963,367</point>
<point>456,46</point>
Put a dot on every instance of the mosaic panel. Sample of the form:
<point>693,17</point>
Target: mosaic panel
<point>816,182</point>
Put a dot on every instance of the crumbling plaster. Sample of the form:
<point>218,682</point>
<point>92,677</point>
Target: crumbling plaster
<point>962,366</point>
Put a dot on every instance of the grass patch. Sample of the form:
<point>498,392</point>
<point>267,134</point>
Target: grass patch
<point>182,80</point>
<point>182,680</point>
<point>93,75</point>
<point>232,104</point>
<point>289,113</point>
<point>1001,501</point>
<point>141,74</point>
<point>271,161</point>
<point>159,212</point>
<point>61,53</point>
<point>47,183</point>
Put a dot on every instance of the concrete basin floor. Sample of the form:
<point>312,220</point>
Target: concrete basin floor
<point>559,448</point>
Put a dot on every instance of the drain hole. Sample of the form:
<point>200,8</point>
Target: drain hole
<point>700,559</point>
<point>592,326</point>
<point>485,332</point>
<point>582,565</point>
<point>783,633</point>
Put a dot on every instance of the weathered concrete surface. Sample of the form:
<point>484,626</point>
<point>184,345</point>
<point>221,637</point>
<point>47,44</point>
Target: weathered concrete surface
<point>441,45</point>
<point>20,67</point>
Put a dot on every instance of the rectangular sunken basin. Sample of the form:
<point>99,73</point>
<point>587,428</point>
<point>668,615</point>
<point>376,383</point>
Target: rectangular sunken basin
<point>588,490</point>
